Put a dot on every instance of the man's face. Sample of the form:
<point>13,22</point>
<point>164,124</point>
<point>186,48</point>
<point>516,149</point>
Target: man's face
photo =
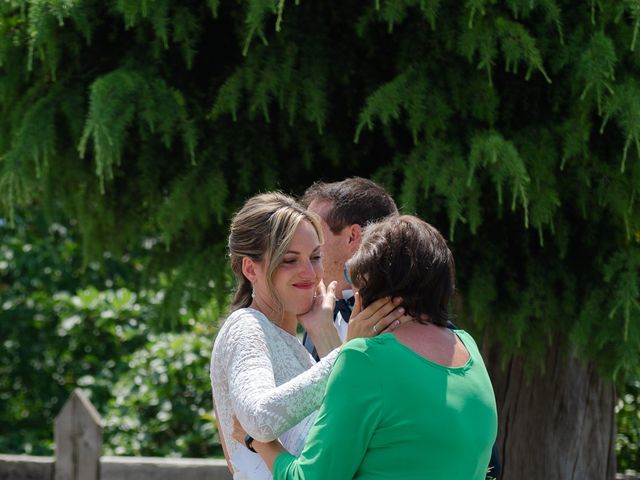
<point>337,248</point>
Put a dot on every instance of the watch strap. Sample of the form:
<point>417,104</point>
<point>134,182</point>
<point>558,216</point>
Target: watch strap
<point>248,442</point>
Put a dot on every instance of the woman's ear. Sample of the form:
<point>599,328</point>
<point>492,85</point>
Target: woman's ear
<point>249,269</point>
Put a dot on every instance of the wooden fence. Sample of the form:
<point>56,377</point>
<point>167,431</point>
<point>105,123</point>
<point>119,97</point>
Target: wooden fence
<point>78,439</point>
<point>628,475</point>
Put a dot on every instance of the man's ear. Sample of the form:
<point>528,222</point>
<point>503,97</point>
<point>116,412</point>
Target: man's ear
<point>355,237</point>
<point>249,269</point>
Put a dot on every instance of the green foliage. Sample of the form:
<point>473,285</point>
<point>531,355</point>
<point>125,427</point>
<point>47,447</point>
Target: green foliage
<point>625,106</point>
<point>628,415</point>
<point>61,326</point>
<point>64,325</point>
<point>512,125</point>
<point>115,100</point>
<point>162,405</point>
<point>597,67</point>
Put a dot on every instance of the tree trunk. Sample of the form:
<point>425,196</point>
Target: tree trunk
<point>554,425</point>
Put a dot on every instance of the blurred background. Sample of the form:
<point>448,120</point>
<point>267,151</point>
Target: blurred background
<point>130,131</point>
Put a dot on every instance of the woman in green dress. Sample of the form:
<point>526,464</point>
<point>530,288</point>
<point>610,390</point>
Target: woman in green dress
<point>415,403</point>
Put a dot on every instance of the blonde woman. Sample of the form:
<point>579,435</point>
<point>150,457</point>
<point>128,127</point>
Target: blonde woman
<point>260,371</point>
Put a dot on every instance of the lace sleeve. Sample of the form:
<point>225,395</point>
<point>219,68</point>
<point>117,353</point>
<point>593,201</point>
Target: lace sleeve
<point>264,409</point>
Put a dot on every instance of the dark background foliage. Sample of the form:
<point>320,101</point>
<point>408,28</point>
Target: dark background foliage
<point>513,126</point>
<point>65,324</point>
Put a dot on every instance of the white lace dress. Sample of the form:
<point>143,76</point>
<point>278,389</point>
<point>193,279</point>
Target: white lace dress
<point>265,377</point>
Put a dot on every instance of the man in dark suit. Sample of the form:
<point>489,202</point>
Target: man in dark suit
<point>344,208</point>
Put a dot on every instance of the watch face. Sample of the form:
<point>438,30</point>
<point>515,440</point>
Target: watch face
<point>248,441</point>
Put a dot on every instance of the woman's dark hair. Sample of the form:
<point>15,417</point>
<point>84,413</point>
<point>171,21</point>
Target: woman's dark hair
<point>404,256</point>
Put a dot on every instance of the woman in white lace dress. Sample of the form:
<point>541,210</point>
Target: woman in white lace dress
<point>260,371</point>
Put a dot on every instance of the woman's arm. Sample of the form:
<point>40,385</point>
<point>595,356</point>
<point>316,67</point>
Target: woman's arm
<point>267,410</point>
<point>222,442</point>
<point>269,451</point>
<point>347,420</point>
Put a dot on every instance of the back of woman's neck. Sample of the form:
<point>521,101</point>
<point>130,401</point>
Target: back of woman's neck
<point>437,344</point>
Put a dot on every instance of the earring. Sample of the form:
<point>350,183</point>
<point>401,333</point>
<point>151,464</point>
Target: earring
<point>253,291</point>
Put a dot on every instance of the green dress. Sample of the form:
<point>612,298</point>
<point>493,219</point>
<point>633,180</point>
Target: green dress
<point>389,413</point>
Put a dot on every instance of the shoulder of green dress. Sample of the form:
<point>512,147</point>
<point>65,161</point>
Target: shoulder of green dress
<point>464,333</point>
<point>357,344</point>
<point>368,346</point>
<point>467,339</point>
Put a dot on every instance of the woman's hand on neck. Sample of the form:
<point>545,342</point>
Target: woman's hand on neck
<point>318,321</point>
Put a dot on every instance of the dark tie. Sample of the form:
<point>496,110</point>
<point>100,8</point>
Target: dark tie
<point>344,308</point>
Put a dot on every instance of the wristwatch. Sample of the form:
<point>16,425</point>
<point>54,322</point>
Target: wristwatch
<point>248,441</point>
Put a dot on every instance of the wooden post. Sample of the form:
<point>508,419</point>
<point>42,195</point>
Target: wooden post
<point>78,438</point>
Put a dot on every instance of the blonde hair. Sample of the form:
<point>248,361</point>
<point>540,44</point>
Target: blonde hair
<point>262,230</point>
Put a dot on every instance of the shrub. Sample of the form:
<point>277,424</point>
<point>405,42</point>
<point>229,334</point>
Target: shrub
<point>162,404</point>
